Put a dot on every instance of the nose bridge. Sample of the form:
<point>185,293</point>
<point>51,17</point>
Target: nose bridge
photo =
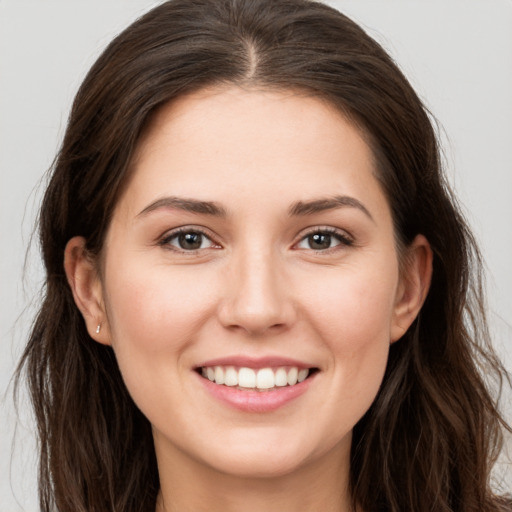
<point>256,298</point>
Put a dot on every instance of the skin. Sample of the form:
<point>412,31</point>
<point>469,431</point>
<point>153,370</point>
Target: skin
<point>255,287</point>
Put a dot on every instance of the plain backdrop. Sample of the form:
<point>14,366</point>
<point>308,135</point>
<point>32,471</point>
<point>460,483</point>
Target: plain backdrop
<point>457,54</point>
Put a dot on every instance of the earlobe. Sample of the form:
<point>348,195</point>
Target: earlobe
<point>413,287</point>
<point>85,284</point>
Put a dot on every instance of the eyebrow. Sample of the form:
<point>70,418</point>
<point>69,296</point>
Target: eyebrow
<point>300,208</point>
<point>188,205</point>
<point>329,203</point>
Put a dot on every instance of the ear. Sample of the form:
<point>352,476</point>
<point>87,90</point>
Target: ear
<point>85,283</point>
<point>413,286</point>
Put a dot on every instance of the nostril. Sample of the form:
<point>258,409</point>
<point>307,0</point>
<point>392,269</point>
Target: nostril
<point>259,305</point>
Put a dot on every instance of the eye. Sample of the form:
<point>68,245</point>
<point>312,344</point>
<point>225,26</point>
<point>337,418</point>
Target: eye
<point>324,239</point>
<point>188,240</point>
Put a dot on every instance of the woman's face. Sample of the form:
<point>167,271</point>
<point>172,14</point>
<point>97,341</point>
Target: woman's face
<point>253,245</point>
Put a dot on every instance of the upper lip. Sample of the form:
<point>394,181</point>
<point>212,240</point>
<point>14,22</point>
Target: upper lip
<point>255,362</point>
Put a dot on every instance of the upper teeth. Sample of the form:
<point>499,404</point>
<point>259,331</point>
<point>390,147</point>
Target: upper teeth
<point>264,378</point>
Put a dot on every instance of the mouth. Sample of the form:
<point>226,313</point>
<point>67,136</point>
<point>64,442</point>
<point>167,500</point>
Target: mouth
<point>256,379</point>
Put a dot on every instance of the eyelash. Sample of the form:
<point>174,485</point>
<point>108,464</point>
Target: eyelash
<point>165,241</point>
<point>343,239</point>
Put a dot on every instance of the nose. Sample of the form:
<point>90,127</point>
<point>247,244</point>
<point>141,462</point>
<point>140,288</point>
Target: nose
<point>257,297</point>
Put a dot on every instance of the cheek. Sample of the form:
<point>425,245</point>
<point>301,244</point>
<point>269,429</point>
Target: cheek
<point>352,314</point>
<point>154,310</point>
<point>154,315</point>
<point>353,305</point>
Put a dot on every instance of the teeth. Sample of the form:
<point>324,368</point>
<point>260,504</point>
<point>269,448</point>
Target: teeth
<point>231,377</point>
<point>219,375</point>
<point>292,376</point>
<point>302,374</point>
<point>281,377</point>
<point>246,378</point>
<point>264,378</point>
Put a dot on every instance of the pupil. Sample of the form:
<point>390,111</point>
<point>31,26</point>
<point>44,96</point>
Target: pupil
<point>190,240</point>
<point>320,241</point>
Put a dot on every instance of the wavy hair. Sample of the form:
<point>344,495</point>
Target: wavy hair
<point>430,439</point>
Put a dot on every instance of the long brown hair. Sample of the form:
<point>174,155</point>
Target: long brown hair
<point>430,439</point>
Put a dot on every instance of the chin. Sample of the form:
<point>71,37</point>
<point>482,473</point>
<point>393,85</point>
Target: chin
<point>260,465</point>
<point>275,458</point>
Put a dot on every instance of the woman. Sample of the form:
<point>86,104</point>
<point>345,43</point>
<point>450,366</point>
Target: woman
<point>260,294</point>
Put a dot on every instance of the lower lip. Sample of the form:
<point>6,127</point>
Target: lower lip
<point>256,401</point>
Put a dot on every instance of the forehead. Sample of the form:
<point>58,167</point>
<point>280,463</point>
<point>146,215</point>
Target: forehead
<point>260,116</point>
<point>225,139</point>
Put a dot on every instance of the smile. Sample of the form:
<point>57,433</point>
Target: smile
<point>261,379</point>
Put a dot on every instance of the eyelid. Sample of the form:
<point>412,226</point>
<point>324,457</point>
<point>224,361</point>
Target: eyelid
<point>344,237</point>
<point>165,238</point>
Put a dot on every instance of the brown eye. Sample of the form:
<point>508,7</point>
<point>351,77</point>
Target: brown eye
<point>319,241</point>
<point>323,240</point>
<point>188,241</point>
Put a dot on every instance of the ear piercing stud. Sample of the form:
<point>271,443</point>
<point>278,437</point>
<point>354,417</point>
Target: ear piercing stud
<point>98,328</point>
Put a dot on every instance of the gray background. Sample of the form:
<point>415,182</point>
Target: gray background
<point>457,53</point>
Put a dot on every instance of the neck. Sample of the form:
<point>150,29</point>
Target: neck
<point>189,486</point>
